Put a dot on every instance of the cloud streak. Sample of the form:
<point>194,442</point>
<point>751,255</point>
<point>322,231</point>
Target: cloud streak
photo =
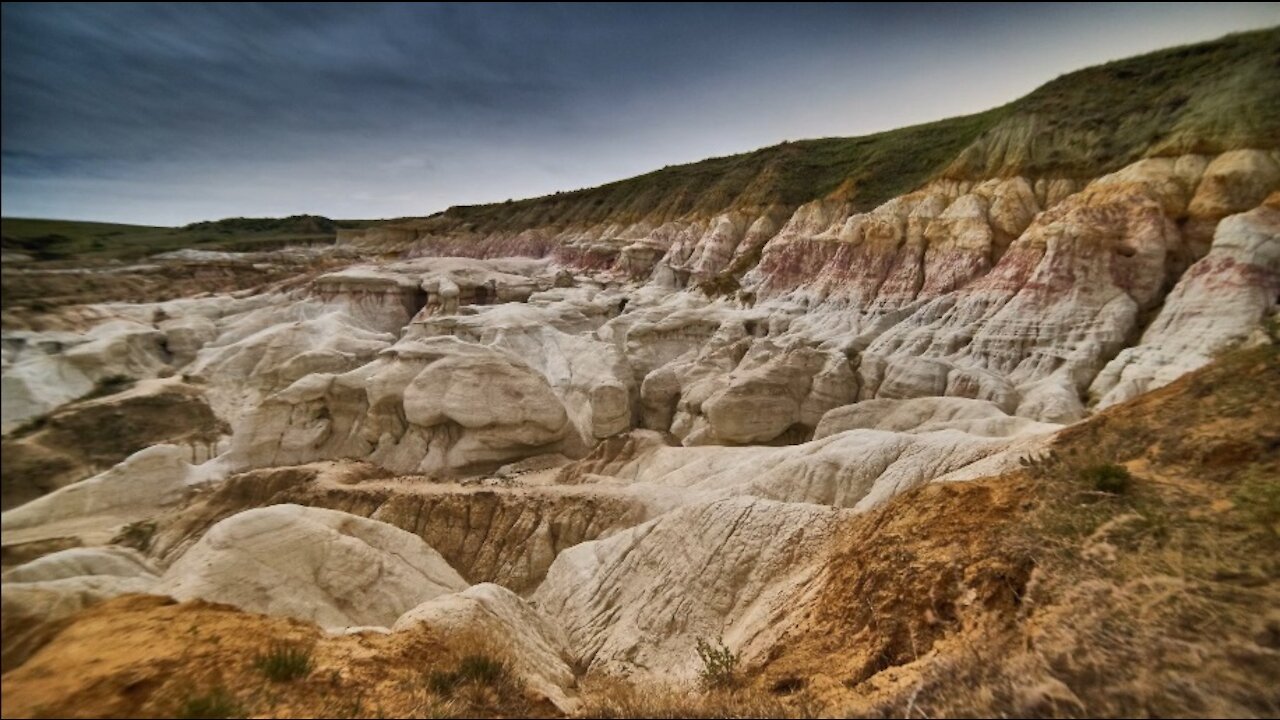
<point>173,113</point>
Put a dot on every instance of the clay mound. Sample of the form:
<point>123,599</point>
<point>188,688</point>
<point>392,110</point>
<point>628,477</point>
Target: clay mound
<point>37,598</point>
<point>110,560</point>
<point>857,469</point>
<point>636,603</point>
<point>340,570</point>
<point>921,415</point>
<point>92,511</point>
<point>495,616</point>
<point>424,406</point>
<point>87,437</point>
<point>45,370</point>
<point>1223,299</point>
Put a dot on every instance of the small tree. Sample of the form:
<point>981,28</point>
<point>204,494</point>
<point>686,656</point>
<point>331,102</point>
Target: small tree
<point>719,665</point>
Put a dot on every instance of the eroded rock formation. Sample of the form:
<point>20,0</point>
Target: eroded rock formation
<point>600,437</point>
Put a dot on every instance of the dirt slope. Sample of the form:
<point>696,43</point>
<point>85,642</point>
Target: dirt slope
<point>1042,594</point>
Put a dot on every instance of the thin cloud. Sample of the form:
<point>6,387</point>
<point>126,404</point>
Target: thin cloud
<point>173,113</point>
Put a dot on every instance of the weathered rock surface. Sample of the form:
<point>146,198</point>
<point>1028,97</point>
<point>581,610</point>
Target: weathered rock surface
<point>493,615</point>
<point>857,469</point>
<point>85,438</point>
<point>718,392</point>
<point>427,406</point>
<point>1223,299</point>
<point>340,570</point>
<point>138,488</point>
<point>921,415</point>
<point>45,370</point>
<point>506,533</point>
<point>111,560</point>
<point>635,604</point>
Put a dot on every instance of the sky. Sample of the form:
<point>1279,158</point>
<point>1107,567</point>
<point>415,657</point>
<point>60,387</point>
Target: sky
<point>171,113</point>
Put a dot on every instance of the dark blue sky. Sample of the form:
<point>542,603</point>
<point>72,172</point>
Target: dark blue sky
<point>172,113</point>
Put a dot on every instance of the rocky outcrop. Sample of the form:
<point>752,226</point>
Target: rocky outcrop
<point>857,469</point>
<point>85,438</point>
<point>922,415</point>
<point>109,561</point>
<point>650,407</point>
<point>775,393</point>
<point>635,604</point>
<point>45,370</point>
<point>387,296</point>
<point>137,489</point>
<point>1032,333</point>
<point>504,532</point>
<point>426,406</point>
<point>1224,298</point>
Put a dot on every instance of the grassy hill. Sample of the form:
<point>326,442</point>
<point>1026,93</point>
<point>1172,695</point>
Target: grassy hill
<point>1203,98</point>
<point>1207,98</point>
<point>80,240</point>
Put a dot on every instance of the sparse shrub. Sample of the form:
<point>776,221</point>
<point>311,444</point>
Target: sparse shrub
<point>788,685</point>
<point>443,682</point>
<point>481,669</point>
<point>215,704</point>
<point>719,665</point>
<point>136,535</point>
<point>110,386</point>
<point>1108,478</point>
<point>1259,500</point>
<point>477,669</point>
<point>284,662</point>
<point>31,426</point>
<point>1041,466</point>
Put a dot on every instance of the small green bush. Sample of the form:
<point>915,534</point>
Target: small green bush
<point>1258,499</point>
<point>215,705</point>
<point>136,535</point>
<point>719,665</point>
<point>284,662</point>
<point>1108,478</point>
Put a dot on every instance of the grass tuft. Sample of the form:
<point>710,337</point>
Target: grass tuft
<point>478,670</point>
<point>284,662</point>
<point>214,705</point>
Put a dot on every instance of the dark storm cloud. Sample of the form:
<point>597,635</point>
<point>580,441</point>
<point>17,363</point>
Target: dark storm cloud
<point>170,113</point>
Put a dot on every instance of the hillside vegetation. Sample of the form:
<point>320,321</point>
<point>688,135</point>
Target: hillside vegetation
<point>78,240</point>
<point>1204,98</point>
<point>1208,98</point>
